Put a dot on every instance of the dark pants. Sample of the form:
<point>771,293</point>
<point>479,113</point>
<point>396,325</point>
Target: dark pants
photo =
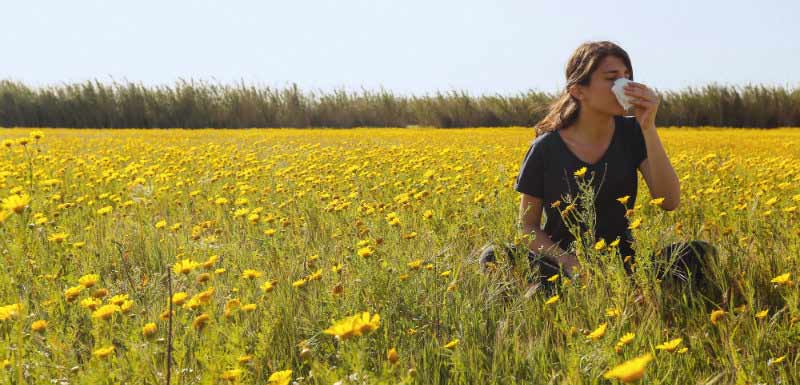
<point>687,267</point>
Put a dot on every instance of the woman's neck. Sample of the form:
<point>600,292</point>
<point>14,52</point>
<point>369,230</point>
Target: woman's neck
<point>592,126</point>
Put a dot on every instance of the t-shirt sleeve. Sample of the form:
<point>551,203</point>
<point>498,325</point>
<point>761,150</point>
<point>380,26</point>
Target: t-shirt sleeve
<point>530,179</point>
<point>639,148</point>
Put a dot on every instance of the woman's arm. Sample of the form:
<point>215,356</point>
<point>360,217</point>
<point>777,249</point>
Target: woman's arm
<point>530,217</point>
<point>656,169</point>
<point>658,173</point>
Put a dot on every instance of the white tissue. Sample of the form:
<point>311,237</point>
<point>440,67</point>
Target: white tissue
<point>619,91</point>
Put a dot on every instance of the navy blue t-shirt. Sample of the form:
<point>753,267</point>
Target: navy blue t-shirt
<point>547,172</point>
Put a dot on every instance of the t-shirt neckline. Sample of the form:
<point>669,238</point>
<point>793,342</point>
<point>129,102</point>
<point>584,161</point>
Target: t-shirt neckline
<point>605,154</point>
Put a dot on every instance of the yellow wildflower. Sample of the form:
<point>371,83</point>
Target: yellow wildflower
<point>103,352</point>
<point>355,325</point>
<point>552,300</point>
<point>16,203</point>
<point>630,370</point>
<point>452,344</point>
<point>598,333</point>
<point>39,326</point>
<point>184,267</point>
<point>280,378</point>
<point>716,315</point>
<point>251,274</point>
<point>670,346</point>
<point>10,311</point>
<point>88,280</point>
<point>149,329</point>
<point>231,375</point>
<point>783,279</point>
<point>105,312</point>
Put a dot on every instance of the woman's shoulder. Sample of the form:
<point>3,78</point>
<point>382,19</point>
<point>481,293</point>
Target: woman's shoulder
<point>544,140</point>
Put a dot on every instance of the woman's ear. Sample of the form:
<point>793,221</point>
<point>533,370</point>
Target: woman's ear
<point>576,92</point>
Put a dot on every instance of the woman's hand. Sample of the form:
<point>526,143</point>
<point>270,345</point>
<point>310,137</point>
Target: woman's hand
<point>645,102</point>
<point>570,264</point>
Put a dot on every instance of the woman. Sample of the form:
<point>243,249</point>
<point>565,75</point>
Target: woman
<point>585,127</point>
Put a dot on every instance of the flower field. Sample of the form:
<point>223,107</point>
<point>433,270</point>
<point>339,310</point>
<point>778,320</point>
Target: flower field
<point>316,256</point>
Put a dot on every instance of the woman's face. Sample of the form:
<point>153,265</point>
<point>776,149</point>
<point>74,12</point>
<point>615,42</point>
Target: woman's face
<point>597,95</point>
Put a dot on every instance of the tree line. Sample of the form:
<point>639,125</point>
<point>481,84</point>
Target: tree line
<point>200,104</point>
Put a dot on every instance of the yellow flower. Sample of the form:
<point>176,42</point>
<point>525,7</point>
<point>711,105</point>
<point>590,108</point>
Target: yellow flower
<point>613,312</point>
<point>231,375</point>
<point>149,329</point>
<point>106,311</point>
<point>251,274</point>
<point>365,252</point>
<point>670,346</point>
<point>355,325</point>
<point>200,321</point>
<point>783,279</point>
<point>100,293</point>
<point>762,314</point>
<point>553,278</point>
<point>452,344</point>
<point>38,134</point>
<point>624,199</point>
<point>104,210</point>
<point>88,280</point>
<point>249,307</point>
<point>626,338</point>
<point>267,286</point>
<point>184,267</point>
<point>657,201</point>
<point>161,224</point>
<point>91,303</point>
<point>598,333</point>
<point>57,237</point>
<point>300,282</point>
<point>209,263</point>
<point>315,276</point>
<point>716,315</point>
<point>10,311</point>
<point>280,378</point>
<point>179,298</point>
<point>73,292</point>
<point>580,172</point>
<point>16,203</point>
<point>635,223</point>
<point>392,355</point>
<point>600,245</point>
<point>630,370</point>
<point>778,360</point>
<point>39,326</point>
<point>415,264</point>
<point>552,300</point>
<point>103,352</point>
<point>118,299</point>
<point>614,243</point>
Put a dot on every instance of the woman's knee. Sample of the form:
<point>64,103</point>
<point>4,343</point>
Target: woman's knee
<point>689,258</point>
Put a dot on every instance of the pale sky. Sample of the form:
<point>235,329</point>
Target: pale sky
<point>405,46</point>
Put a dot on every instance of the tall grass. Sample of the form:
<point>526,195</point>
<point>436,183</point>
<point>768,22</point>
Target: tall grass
<point>200,104</point>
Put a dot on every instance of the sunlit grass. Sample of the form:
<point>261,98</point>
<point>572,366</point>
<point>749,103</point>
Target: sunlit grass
<point>320,256</point>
